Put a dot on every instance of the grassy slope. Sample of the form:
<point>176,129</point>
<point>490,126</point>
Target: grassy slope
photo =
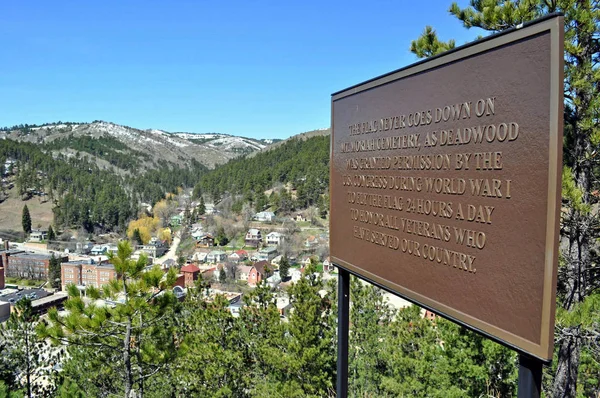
<point>11,210</point>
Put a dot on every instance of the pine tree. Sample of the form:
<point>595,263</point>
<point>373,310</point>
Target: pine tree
<point>187,215</point>
<point>201,207</point>
<point>26,220</point>
<point>70,389</point>
<point>31,357</point>
<point>137,237</point>
<point>284,268</point>
<point>51,234</point>
<point>428,44</point>
<point>130,342</point>
<point>369,318</point>
<point>261,201</point>
<point>54,272</point>
<point>582,134</point>
<point>212,363</point>
<point>221,237</point>
<point>285,201</point>
<point>323,205</point>
<point>310,336</point>
<point>222,275</point>
<point>265,346</point>
<point>274,199</point>
<point>197,192</point>
<point>194,215</point>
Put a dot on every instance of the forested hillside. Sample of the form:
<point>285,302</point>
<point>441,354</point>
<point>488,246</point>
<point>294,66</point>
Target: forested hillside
<point>108,148</point>
<point>96,178</point>
<point>84,194</point>
<point>140,149</point>
<point>88,195</point>
<point>302,163</point>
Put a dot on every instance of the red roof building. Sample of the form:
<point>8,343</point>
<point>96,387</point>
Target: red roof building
<point>238,255</point>
<point>257,272</point>
<point>190,274</point>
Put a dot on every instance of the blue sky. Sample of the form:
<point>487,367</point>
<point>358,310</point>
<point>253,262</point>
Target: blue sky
<point>263,69</point>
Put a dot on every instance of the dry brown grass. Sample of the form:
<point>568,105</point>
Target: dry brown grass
<point>11,210</point>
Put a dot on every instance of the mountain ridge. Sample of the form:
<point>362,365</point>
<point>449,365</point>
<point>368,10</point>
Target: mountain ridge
<point>210,149</point>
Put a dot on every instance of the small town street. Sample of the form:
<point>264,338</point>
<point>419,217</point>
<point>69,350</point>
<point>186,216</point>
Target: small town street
<point>172,252</point>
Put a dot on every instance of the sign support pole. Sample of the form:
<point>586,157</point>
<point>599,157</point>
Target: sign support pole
<point>530,377</point>
<point>343,331</point>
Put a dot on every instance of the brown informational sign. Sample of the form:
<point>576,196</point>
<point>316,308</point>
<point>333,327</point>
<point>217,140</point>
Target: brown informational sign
<point>445,183</point>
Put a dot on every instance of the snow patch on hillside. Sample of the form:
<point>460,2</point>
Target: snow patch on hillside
<point>126,133</point>
<point>158,132</point>
<point>208,148</point>
<point>177,143</point>
<point>194,136</point>
<point>229,143</point>
<point>221,141</point>
<point>52,127</point>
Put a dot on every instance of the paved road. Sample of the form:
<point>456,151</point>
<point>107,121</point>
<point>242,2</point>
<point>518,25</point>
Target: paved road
<point>171,254</point>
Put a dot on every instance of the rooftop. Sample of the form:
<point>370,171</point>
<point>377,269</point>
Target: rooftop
<point>233,297</point>
<point>16,296</point>
<point>32,256</point>
<point>244,268</point>
<point>88,263</point>
<point>190,268</point>
<point>49,299</point>
<point>260,266</point>
<point>11,251</point>
<point>79,262</point>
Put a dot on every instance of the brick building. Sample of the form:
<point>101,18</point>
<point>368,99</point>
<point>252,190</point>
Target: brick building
<point>4,254</point>
<point>190,274</point>
<point>18,264</point>
<point>258,272</point>
<point>86,273</point>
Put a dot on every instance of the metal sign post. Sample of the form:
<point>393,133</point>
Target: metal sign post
<point>343,331</point>
<point>530,377</point>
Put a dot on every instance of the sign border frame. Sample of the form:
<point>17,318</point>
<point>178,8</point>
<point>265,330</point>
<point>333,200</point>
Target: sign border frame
<point>554,23</point>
